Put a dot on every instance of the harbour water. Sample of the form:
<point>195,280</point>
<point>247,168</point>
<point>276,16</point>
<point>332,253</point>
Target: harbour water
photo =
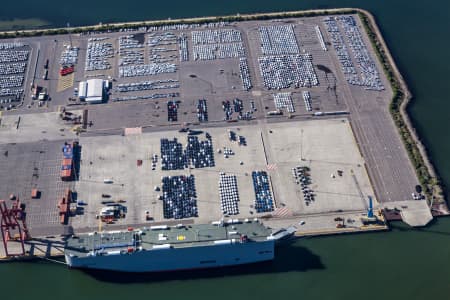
<point>402,264</point>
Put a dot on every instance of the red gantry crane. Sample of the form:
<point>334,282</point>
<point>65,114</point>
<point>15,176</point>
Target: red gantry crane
<point>13,226</point>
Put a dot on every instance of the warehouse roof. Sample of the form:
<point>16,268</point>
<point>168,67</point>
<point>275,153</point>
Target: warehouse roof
<point>94,88</point>
<point>82,89</point>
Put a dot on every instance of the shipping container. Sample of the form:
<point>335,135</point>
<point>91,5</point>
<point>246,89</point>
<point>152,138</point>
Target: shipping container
<point>67,161</point>
<point>34,193</point>
<point>67,165</point>
<point>62,208</point>
<point>66,172</point>
<point>64,205</point>
<point>67,151</point>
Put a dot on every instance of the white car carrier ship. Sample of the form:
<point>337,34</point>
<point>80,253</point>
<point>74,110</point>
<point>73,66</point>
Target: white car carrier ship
<point>170,248</point>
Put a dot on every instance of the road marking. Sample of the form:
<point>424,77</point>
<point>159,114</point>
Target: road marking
<point>271,167</point>
<point>65,82</point>
<point>282,212</point>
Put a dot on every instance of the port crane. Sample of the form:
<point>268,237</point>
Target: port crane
<point>13,226</point>
<point>370,217</point>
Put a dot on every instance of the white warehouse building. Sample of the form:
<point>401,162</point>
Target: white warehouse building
<point>92,90</point>
<point>82,90</point>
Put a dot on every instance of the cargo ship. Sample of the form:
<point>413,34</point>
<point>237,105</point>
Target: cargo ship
<point>174,248</point>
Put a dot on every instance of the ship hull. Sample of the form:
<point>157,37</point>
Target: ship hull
<point>177,259</point>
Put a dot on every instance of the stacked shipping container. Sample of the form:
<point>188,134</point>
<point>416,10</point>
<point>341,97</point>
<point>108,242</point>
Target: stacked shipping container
<point>68,161</point>
<point>63,206</point>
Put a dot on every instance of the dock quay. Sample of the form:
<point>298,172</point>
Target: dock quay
<point>52,247</point>
<point>283,120</point>
<point>36,248</point>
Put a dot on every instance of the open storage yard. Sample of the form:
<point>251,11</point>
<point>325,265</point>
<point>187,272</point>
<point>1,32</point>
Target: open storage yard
<point>139,186</point>
<point>278,119</point>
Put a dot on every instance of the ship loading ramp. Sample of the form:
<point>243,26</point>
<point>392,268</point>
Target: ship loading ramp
<point>414,213</point>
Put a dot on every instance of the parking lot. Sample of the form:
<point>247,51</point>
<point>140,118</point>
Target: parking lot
<point>14,62</point>
<point>164,64</point>
<point>140,189</point>
<point>324,149</point>
<point>263,80</point>
<point>146,57</point>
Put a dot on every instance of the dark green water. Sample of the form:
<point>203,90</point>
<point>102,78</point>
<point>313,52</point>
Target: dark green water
<point>401,264</point>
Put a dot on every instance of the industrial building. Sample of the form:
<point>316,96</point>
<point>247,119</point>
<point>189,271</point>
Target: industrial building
<point>92,91</point>
<point>82,90</point>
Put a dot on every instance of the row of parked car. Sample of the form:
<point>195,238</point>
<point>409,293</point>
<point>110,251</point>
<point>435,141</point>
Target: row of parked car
<point>229,195</point>
<point>307,100</point>
<point>187,26</point>
<point>370,77</point>
<point>202,110</point>
<point>218,51</point>
<point>13,68</point>
<point>11,56</point>
<point>13,64</point>
<point>244,73</point>
<point>284,101</point>
<point>147,70</point>
<point>15,93</point>
<point>200,153</point>
<point>337,40</point>
<point>183,44</point>
<point>148,85</point>
<point>179,197</point>
<point>69,56</point>
<point>217,44</point>
<point>147,97</point>
<point>162,47</point>
<point>320,38</point>
<point>302,177</point>
<point>365,72</point>
<point>263,195</point>
<point>219,36</point>
<point>98,55</point>
<point>131,51</point>
<point>11,81</point>
<point>284,71</point>
<point>278,40</point>
<point>11,45</point>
